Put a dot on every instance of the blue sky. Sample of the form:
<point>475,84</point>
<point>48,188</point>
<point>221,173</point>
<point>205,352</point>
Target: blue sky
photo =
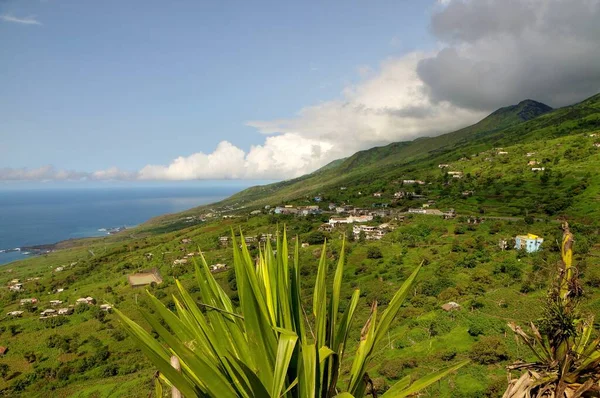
<point>150,90</point>
<point>141,81</point>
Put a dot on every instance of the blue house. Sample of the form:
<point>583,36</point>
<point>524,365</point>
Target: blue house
<point>530,243</point>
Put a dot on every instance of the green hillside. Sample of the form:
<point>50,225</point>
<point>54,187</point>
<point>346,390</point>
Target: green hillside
<point>88,354</point>
<point>527,127</point>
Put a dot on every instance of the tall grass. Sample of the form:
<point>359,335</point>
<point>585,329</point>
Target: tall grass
<point>271,346</point>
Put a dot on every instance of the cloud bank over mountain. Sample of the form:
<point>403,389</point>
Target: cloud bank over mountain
<point>490,53</point>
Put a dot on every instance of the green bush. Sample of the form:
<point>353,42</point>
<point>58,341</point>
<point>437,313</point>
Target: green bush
<point>488,350</point>
<point>374,252</point>
<point>394,368</point>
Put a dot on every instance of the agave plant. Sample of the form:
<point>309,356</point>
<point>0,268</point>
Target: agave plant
<point>269,346</point>
<point>568,359</point>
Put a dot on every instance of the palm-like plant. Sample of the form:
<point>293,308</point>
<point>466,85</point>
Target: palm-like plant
<point>269,347</point>
<point>568,360</point>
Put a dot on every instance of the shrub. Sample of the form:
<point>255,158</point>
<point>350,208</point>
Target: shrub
<point>374,252</point>
<point>489,350</point>
<point>394,368</point>
<point>4,369</point>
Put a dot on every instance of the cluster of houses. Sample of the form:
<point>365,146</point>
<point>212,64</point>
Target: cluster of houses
<point>371,232</point>
<point>184,260</point>
<point>59,308</point>
<point>297,210</point>
<point>262,238</point>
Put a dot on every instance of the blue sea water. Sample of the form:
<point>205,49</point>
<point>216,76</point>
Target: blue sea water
<point>40,216</point>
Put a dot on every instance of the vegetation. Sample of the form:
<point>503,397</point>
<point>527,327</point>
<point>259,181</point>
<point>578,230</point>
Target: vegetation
<point>568,359</point>
<point>270,348</point>
<point>469,260</point>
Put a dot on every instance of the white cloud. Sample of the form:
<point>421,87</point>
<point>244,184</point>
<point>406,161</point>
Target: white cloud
<point>44,173</point>
<point>491,53</point>
<point>31,20</point>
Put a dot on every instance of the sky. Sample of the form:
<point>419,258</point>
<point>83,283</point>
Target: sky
<point>144,91</point>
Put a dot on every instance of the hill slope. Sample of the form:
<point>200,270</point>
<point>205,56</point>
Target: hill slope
<point>527,123</point>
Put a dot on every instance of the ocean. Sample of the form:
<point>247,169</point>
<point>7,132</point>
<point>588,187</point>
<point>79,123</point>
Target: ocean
<point>40,216</point>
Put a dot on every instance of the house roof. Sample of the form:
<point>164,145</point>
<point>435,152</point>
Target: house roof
<point>143,279</point>
<point>3,350</point>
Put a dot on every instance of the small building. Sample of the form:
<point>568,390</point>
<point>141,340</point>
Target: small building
<point>530,243</point>
<point>455,173</point>
<point>305,245</point>
<point>85,300</point>
<point>597,144</point>
<point>3,350</point>
<point>223,240</point>
<point>332,206</point>
<point>59,269</point>
<point>180,261</point>
<point>218,267</point>
<point>65,311</point>
<point>255,212</point>
<point>60,290</point>
<point>416,211</point>
<point>32,300</point>
<point>55,303</point>
<point>106,307</point>
<point>530,154</point>
<point>144,278</point>
<point>532,163</point>
<point>537,169</point>
<point>48,312</point>
<point>377,194</point>
<point>451,306</point>
<point>443,165</point>
<point>349,220</point>
<point>17,287</point>
<point>326,227</point>
<point>186,241</point>
<point>502,153</point>
<point>318,199</point>
<point>16,314</point>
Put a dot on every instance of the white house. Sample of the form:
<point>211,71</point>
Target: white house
<point>54,303</point>
<point>15,313</point>
<point>65,311</point>
<point>85,300</point>
<point>218,267</point>
<point>29,301</point>
<point>537,169</point>
<point>48,312</point>
<point>349,220</point>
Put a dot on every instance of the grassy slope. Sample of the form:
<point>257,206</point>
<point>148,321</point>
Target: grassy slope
<point>463,260</point>
<point>528,123</point>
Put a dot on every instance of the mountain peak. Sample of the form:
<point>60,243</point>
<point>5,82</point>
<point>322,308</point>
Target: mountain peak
<point>525,110</point>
